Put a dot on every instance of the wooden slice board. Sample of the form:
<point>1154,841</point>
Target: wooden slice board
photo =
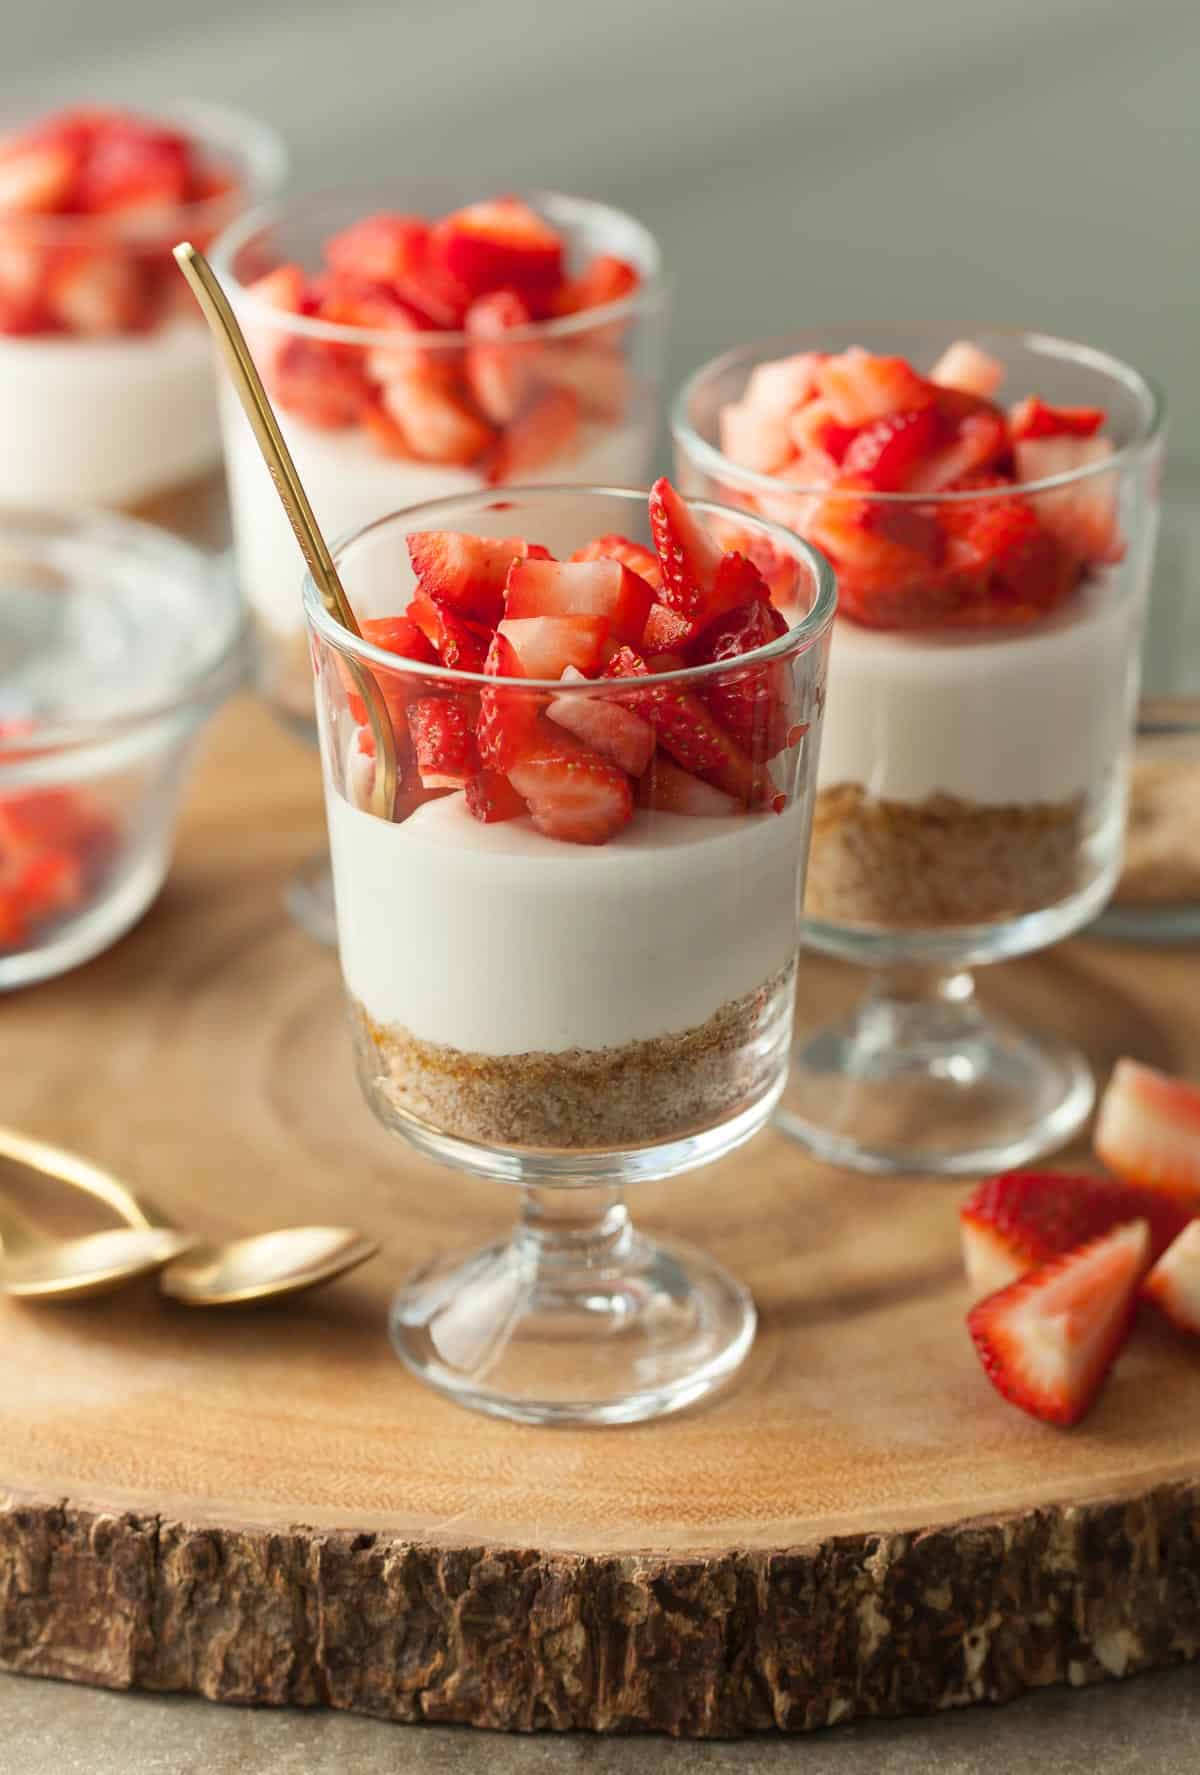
<point>265,1507</point>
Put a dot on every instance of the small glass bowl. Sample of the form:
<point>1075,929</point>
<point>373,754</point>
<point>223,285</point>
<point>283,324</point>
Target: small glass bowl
<point>116,643</point>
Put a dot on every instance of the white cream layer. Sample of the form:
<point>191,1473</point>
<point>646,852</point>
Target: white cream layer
<point>495,940</point>
<point>1029,715</point>
<point>106,421</point>
<point>349,483</point>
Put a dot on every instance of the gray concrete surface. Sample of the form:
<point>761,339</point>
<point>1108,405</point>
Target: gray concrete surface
<point>1148,1726</point>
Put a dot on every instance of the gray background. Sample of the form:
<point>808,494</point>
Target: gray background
<point>1029,162</point>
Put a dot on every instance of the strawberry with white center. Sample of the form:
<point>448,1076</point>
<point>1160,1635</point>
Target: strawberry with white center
<point>1148,1131</point>
<point>499,375</point>
<point>572,792</point>
<point>1048,1340</point>
<point>687,730</point>
<point>501,244</point>
<point>444,742</point>
<point>581,588</point>
<point>547,645</point>
<point>468,572</point>
<point>634,555</point>
<point>1173,1285</point>
<point>964,366</point>
<point>605,725</point>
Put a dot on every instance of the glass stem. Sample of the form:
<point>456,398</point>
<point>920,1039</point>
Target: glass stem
<point>910,1007</point>
<point>581,1228</point>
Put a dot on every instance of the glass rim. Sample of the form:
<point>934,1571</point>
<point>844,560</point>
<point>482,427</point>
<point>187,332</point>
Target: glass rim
<point>709,457</point>
<point>266,165</point>
<point>651,292</point>
<point>815,622</point>
<point>213,677</point>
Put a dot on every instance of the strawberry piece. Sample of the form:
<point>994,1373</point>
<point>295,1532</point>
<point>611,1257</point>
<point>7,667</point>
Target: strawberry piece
<point>384,434</point>
<point>1032,418</point>
<point>140,173</point>
<point>384,249</point>
<point>604,725</point>
<point>37,177</point>
<point>96,293</point>
<point>447,756</point>
<point>673,791</point>
<point>1082,516</point>
<point>821,441</point>
<point>1148,1131</point>
<point>508,718</point>
<point>500,244</point>
<point>16,927</point>
<point>783,385</point>
<point>282,289</point>
<point>963,366</point>
<point>687,730</point>
<point>467,572</point>
<point>1048,1340</point>
<point>50,883</point>
<point>605,280</point>
<point>885,452</point>
<point>754,438</point>
<point>643,561</point>
<point>573,794</point>
<point>1021,569</point>
<point>1173,1285</point>
<point>352,302</point>
<point>581,588</point>
<point>752,706</point>
<point>700,582</point>
<point>462,645</point>
<point>1013,1223</point>
<point>498,375</point>
<point>594,374</point>
<point>666,631</point>
<point>860,387</point>
<point>323,384</point>
<point>396,634</point>
<point>492,798</point>
<point>437,426</point>
<point>547,645</point>
<point>547,428</point>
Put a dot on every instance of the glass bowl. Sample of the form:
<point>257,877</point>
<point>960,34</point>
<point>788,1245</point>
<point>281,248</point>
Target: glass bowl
<point>116,642</point>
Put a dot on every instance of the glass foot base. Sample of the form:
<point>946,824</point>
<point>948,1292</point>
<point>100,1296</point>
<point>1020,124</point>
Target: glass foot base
<point>550,1337</point>
<point>926,1082</point>
<point>309,900</point>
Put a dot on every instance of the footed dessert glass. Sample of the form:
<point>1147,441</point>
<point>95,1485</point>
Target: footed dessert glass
<point>386,399</point>
<point>570,1017</point>
<point>973,776</point>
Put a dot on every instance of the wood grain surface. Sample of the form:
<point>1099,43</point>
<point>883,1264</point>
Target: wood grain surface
<point>264,1506</point>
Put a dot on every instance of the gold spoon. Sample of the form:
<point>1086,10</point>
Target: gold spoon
<point>282,469</point>
<point>263,1267</point>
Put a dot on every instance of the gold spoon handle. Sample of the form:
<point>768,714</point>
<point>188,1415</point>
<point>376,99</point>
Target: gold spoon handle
<point>66,1167</point>
<point>278,458</point>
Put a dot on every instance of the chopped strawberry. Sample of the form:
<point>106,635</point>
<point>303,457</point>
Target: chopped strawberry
<point>352,302</point>
<point>1048,1340</point>
<point>385,249</point>
<point>1014,1222</point>
<point>547,645</point>
<point>978,439</point>
<point>752,705</point>
<point>1173,1285</point>
<point>604,281</point>
<point>94,292</point>
<point>962,365</point>
<point>1083,515</point>
<point>1148,1131</point>
<point>37,178</point>
<point>784,385</point>
<point>860,387</point>
<point>821,440</point>
<point>1023,571</point>
<point>548,428</point>
<point>755,438</point>
<point>498,375</point>
<point>508,719</point>
<point>643,561</point>
<point>323,384</point>
<point>443,740</point>
<point>687,730</point>
<point>467,572</point>
<point>143,174</point>
<point>1032,418</point>
<point>50,883</point>
<point>700,582</point>
<point>573,794</point>
<point>437,426</point>
<point>604,724</point>
<point>581,588</point>
<point>385,434</point>
<point>396,634</point>
<point>492,798</point>
<point>673,791</point>
<point>282,289</point>
<point>462,645</point>
<point>594,374</point>
<point>886,452</point>
<point>500,244</point>
<point>666,631</point>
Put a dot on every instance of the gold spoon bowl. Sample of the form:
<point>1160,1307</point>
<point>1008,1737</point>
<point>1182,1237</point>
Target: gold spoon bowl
<point>265,1266</point>
<point>37,1267</point>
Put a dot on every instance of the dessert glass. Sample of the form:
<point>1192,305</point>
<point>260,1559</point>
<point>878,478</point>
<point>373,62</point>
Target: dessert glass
<point>127,419</point>
<point>348,473</point>
<point>972,789</point>
<point>116,642</point>
<point>567,1017</point>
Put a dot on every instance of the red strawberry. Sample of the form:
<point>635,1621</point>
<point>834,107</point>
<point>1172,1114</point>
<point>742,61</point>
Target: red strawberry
<point>963,366</point>
<point>1048,1340</point>
<point>282,288</point>
<point>784,385</point>
<point>1174,1283</point>
<point>385,434</point>
<point>581,588</point>
<point>500,244</point>
<point>546,429</point>
<point>468,572</point>
<point>860,387</point>
<point>605,280</point>
<point>1032,418</point>
<point>50,883</point>
<point>462,645</point>
<point>447,757</point>
<point>594,374</point>
<point>1024,573</point>
<point>821,440</point>
<point>687,730</point>
<point>498,374</point>
<point>95,293</point>
<point>700,582</point>
<point>1148,1131</point>
<point>383,249</point>
<point>323,384</point>
<point>604,724</point>
<point>36,178</point>
<point>144,174</point>
<point>755,439</point>
<point>437,426</point>
<point>1014,1222</point>
<point>547,645</point>
<point>885,452</point>
<point>977,439</point>
<point>635,555</point>
<point>673,791</point>
<point>752,706</point>
<point>573,793</point>
<point>1082,516</point>
<point>507,718</point>
<point>491,798</point>
<point>666,631</point>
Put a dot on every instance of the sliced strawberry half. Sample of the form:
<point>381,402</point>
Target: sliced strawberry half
<point>635,555</point>
<point>699,580</point>
<point>1032,418</point>
<point>581,588</point>
<point>444,741</point>
<point>1083,517</point>
<point>547,645</point>
<point>573,794</point>
<point>1021,1219</point>
<point>500,244</point>
<point>545,429</point>
<point>508,719</point>
<point>752,705</point>
<point>860,387</point>
<point>499,375</point>
<point>605,725</point>
<point>461,644</point>
<point>964,366</point>
<point>664,786</point>
<point>492,798</point>
<point>666,631</point>
<point>1148,1131</point>
<point>1173,1285</point>
<point>687,729</point>
<point>468,572</point>
<point>1048,1340</point>
<point>886,452</point>
<point>397,634</point>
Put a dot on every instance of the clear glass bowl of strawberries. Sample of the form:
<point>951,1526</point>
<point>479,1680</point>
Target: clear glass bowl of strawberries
<point>423,341</point>
<point>989,507</point>
<point>107,393</point>
<point>568,940</point>
<point>116,641</point>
